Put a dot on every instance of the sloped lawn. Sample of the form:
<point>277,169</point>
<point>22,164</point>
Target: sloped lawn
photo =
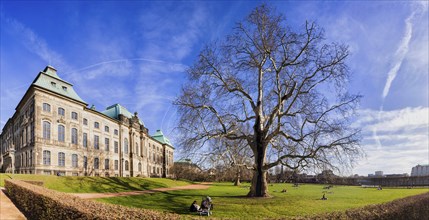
<point>75,184</point>
<point>231,201</point>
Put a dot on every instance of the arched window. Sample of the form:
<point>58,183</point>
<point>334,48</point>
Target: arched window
<point>46,157</point>
<point>46,130</point>
<point>61,159</point>
<point>140,167</point>
<point>46,107</point>
<point>85,162</point>
<point>31,158</point>
<point>96,163</point>
<point>61,133</point>
<point>74,160</point>
<point>74,136</point>
<point>106,164</point>
<point>74,115</point>
<point>61,111</point>
<point>126,146</point>
<point>126,165</point>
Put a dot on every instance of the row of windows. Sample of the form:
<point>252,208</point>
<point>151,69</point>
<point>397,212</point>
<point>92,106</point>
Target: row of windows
<point>75,161</point>
<point>74,138</point>
<point>61,111</point>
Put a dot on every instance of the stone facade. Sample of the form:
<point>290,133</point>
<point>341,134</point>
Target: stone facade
<point>53,132</point>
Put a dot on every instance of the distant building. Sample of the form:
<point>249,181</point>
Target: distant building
<point>420,170</point>
<point>378,173</point>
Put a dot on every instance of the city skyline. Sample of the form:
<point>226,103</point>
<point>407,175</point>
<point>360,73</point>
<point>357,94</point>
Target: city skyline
<point>115,52</point>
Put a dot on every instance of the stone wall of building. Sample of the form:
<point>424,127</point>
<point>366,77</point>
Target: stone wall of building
<point>56,135</point>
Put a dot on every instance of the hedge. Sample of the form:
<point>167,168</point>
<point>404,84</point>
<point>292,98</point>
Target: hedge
<point>40,203</point>
<point>409,208</point>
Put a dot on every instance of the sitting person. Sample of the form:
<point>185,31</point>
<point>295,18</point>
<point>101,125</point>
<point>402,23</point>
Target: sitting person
<point>324,197</point>
<point>194,207</point>
<point>206,203</point>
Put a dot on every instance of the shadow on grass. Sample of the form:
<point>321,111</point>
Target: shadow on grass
<point>109,184</point>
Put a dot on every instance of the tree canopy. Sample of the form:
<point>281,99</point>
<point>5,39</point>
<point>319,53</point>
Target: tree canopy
<point>281,91</point>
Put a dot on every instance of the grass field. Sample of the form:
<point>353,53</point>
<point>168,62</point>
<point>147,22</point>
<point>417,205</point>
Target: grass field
<point>230,201</point>
<point>74,184</point>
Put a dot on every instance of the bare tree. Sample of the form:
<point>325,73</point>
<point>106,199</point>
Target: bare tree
<point>232,154</point>
<point>278,90</point>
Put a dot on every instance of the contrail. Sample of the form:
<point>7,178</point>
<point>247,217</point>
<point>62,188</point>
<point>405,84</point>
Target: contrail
<point>398,58</point>
<point>121,60</point>
<point>399,54</point>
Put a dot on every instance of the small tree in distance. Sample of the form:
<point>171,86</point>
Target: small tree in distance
<point>276,89</point>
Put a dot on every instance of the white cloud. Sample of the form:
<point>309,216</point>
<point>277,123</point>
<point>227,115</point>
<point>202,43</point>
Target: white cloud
<point>404,137</point>
<point>34,43</point>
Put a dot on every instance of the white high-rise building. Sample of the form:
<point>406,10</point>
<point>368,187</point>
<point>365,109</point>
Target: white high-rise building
<point>420,170</point>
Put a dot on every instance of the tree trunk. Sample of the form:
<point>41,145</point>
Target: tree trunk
<point>259,186</point>
<point>237,179</point>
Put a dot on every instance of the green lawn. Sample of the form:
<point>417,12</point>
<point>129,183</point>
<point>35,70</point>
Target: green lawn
<point>74,184</point>
<point>230,201</point>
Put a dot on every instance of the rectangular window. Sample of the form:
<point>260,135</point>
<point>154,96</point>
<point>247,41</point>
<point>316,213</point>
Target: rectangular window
<point>61,159</point>
<point>85,162</point>
<point>116,164</point>
<point>96,144</point>
<point>61,133</point>
<point>106,128</point>
<point>61,111</point>
<point>116,132</point>
<point>46,130</point>
<point>106,144</point>
<point>46,157</point>
<point>85,121</point>
<point>96,125</point>
<point>116,147</point>
<point>85,140</point>
<point>74,115</point>
<point>46,107</point>
<point>74,136</point>
<point>106,164</point>
<point>96,163</point>
<point>74,160</point>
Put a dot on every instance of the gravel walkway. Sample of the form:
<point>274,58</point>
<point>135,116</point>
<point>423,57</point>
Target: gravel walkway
<point>8,210</point>
<point>133,193</point>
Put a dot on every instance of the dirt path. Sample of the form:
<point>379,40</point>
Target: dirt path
<point>133,193</point>
<point>8,210</point>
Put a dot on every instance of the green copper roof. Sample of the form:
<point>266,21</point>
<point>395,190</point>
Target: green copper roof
<point>159,136</point>
<point>49,80</point>
<point>115,110</point>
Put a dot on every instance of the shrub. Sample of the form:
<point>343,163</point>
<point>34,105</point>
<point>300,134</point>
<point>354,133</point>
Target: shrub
<point>413,207</point>
<point>37,183</point>
<point>40,203</point>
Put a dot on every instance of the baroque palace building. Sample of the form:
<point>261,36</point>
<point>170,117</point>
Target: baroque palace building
<point>53,132</point>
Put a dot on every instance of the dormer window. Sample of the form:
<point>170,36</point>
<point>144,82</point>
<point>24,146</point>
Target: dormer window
<point>64,88</point>
<point>53,84</point>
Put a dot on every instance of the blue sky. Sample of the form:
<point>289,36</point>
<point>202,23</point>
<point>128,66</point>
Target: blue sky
<point>136,52</point>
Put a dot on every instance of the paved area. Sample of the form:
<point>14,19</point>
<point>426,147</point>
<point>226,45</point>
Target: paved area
<point>133,193</point>
<point>8,210</point>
